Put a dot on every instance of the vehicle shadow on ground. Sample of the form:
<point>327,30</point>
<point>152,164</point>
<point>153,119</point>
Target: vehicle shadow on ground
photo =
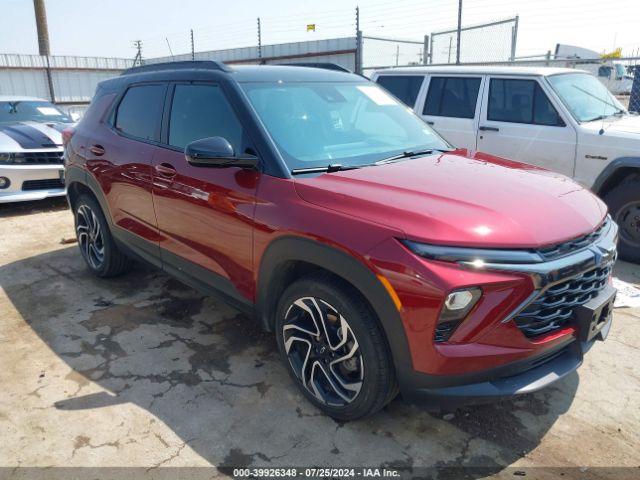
<point>16,209</point>
<point>215,379</point>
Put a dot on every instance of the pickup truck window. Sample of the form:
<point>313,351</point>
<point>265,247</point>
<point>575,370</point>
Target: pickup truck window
<point>452,97</point>
<point>404,87</point>
<point>520,101</point>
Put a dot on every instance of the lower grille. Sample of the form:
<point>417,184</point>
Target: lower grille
<point>444,331</point>
<point>42,184</point>
<point>554,307</point>
<point>39,158</point>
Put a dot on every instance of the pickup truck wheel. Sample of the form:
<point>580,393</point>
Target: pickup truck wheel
<point>624,204</point>
<point>99,250</point>
<point>333,348</point>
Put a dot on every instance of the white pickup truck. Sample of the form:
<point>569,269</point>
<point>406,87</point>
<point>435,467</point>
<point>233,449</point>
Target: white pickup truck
<point>561,119</point>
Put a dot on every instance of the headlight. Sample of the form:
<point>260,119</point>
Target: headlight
<point>5,157</point>
<point>458,304</point>
<point>476,257</point>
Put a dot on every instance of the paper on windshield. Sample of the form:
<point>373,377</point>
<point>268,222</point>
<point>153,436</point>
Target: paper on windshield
<point>379,96</point>
<point>48,111</point>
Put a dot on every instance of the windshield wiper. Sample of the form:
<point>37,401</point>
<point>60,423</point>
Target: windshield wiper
<point>409,154</point>
<point>332,167</point>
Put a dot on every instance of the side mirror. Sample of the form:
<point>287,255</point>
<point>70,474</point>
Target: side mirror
<point>216,152</point>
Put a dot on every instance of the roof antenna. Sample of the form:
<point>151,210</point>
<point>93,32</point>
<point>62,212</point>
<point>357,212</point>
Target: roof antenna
<point>170,51</point>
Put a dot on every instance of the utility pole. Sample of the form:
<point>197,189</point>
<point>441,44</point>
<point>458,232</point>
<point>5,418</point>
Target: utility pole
<point>41,25</point>
<point>358,43</point>
<point>138,58</point>
<point>259,39</point>
<point>43,41</point>
<point>193,48</point>
<point>397,54</point>
<point>459,32</point>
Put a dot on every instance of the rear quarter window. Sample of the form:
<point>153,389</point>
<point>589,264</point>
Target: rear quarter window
<point>140,111</point>
<point>404,87</point>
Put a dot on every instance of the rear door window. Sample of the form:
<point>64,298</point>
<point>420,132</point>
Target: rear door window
<point>520,101</point>
<point>140,111</point>
<point>452,97</point>
<point>404,87</point>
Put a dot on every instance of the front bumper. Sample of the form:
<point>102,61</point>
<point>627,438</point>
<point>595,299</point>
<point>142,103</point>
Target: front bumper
<point>488,356</point>
<point>505,382</point>
<point>19,174</point>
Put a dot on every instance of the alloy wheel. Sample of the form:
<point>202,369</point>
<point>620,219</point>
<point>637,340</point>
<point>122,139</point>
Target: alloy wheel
<point>323,351</point>
<point>90,236</point>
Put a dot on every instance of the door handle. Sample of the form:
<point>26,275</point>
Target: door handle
<point>97,150</point>
<point>429,122</point>
<point>489,129</point>
<point>166,170</point>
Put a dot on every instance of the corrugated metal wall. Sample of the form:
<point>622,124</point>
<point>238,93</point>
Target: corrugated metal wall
<point>340,51</point>
<point>74,79</point>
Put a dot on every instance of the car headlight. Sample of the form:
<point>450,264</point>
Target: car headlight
<point>459,303</point>
<point>476,257</point>
<point>5,157</point>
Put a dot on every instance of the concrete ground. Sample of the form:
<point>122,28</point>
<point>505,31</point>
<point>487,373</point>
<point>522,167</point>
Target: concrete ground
<point>144,371</point>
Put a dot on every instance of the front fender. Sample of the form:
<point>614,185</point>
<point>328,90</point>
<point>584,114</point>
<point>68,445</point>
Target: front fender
<point>611,169</point>
<point>340,263</point>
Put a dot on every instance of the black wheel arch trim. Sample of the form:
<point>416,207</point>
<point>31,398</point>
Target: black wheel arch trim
<point>612,168</point>
<point>340,263</point>
<point>132,244</point>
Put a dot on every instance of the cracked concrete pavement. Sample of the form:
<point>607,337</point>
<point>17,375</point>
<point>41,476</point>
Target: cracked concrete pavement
<point>144,371</point>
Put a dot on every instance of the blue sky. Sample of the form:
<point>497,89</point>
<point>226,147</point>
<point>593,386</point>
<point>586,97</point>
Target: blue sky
<point>108,27</point>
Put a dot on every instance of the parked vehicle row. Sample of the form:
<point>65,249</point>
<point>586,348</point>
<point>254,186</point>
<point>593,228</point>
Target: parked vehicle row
<point>560,119</point>
<point>31,152</point>
<point>383,259</point>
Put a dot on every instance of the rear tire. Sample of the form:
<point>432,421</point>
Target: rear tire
<point>98,249</point>
<point>334,348</point>
<point>624,204</point>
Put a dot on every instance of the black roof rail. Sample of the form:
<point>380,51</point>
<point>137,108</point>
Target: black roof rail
<point>323,65</point>
<point>181,65</point>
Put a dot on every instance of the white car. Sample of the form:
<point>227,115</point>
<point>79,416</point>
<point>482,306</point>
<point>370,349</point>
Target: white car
<point>560,119</point>
<point>31,152</point>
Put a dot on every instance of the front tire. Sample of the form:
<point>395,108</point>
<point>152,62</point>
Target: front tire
<point>98,249</point>
<point>624,204</point>
<point>334,348</point>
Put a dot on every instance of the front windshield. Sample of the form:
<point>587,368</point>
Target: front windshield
<point>586,98</point>
<point>315,124</point>
<point>34,111</point>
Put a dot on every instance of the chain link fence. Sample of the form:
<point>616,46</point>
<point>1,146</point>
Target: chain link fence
<point>379,52</point>
<point>489,42</point>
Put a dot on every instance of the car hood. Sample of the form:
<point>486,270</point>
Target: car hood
<point>628,124</point>
<point>21,136</point>
<point>461,198</point>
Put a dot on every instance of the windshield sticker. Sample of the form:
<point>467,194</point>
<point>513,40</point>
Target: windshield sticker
<point>48,111</point>
<point>379,96</point>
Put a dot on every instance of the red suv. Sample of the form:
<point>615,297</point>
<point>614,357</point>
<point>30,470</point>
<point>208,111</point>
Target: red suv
<point>384,260</point>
